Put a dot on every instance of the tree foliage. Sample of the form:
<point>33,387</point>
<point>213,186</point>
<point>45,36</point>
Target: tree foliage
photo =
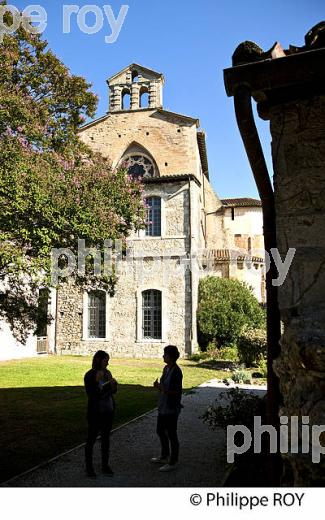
<point>225,308</point>
<point>53,189</point>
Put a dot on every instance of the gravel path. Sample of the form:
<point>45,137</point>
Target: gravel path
<point>202,453</point>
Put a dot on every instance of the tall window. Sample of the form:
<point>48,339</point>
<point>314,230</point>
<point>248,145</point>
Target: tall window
<point>153,217</point>
<point>151,314</point>
<point>144,97</point>
<point>126,99</point>
<point>96,314</point>
<point>42,312</point>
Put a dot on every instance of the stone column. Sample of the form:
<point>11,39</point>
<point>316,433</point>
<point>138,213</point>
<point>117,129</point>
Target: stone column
<point>289,86</point>
<point>116,98</point>
<point>153,101</point>
<point>298,150</point>
<point>135,98</point>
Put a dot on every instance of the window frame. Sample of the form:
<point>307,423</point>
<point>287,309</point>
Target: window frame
<point>164,314</point>
<point>86,329</point>
<point>151,213</point>
<point>155,325</point>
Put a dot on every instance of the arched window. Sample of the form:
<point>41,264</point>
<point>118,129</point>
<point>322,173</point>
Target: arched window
<point>126,99</point>
<point>139,166</point>
<point>144,97</point>
<point>151,314</point>
<point>96,314</point>
<point>153,216</point>
<point>135,76</point>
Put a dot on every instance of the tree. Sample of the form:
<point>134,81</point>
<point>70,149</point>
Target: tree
<point>225,308</point>
<point>53,189</point>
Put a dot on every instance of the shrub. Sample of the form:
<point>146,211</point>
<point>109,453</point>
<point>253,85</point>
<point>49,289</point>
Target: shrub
<point>241,408</point>
<point>225,307</point>
<point>198,356</point>
<point>226,354</point>
<point>252,347</point>
<point>261,369</point>
<point>241,376</point>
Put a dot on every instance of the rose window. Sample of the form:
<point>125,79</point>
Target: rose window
<point>139,166</point>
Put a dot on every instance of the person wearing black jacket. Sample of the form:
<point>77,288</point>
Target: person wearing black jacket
<point>169,407</point>
<point>100,387</point>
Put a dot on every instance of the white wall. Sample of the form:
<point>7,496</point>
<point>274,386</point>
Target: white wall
<point>248,221</point>
<point>12,349</point>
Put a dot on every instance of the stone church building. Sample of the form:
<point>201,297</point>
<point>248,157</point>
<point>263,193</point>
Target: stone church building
<point>190,232</point>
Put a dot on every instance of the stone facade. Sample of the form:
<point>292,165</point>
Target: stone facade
<point>193,240</point>
<point>192,223</point>
<point>151,263</point>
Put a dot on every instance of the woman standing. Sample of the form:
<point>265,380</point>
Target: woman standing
<point>169,407</point>
<point>100,387</point>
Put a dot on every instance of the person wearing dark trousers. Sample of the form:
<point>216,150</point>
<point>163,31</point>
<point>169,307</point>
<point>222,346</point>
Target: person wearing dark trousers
<point>169,407</point>
<point>100,387</point>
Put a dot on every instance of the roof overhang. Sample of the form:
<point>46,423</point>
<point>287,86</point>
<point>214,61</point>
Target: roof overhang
<point>171,178</point>
<point>243,202</point>
<point>203,153</point>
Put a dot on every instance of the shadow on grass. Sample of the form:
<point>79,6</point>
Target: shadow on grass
<point>40,423</point>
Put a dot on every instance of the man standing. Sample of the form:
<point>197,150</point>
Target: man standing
<point>169,407</point>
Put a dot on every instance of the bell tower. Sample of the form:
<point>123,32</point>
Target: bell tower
<point>135,88</point>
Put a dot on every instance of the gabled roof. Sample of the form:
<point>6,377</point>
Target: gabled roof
<point>179,116</point>
<point>93,122</point>
<point>244,202</point>
<point>139,68</point>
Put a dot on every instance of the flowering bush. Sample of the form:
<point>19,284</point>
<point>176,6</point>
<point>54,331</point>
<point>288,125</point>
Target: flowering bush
<point>53,189</point>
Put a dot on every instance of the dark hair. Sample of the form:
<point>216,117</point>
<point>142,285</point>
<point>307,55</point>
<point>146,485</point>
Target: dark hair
<point>172,351</point>
<point>98,358</point>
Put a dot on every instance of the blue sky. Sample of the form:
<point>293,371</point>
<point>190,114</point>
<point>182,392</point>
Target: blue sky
<point>190,42</point>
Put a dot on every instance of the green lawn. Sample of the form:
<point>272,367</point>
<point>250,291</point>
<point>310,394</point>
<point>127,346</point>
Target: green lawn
<point>43,403</point>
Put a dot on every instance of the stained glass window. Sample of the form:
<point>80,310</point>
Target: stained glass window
<point>139,166</point>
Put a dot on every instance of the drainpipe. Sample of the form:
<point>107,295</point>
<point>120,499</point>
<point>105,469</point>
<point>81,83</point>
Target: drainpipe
<point>190,259</point>
<point>249,134</point>
<point>205,214</point>
<point>56,320</point>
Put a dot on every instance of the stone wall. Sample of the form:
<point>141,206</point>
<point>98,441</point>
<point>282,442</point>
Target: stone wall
<point>170,139</point>
<point>151,263</point>
<point>298,146</point>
